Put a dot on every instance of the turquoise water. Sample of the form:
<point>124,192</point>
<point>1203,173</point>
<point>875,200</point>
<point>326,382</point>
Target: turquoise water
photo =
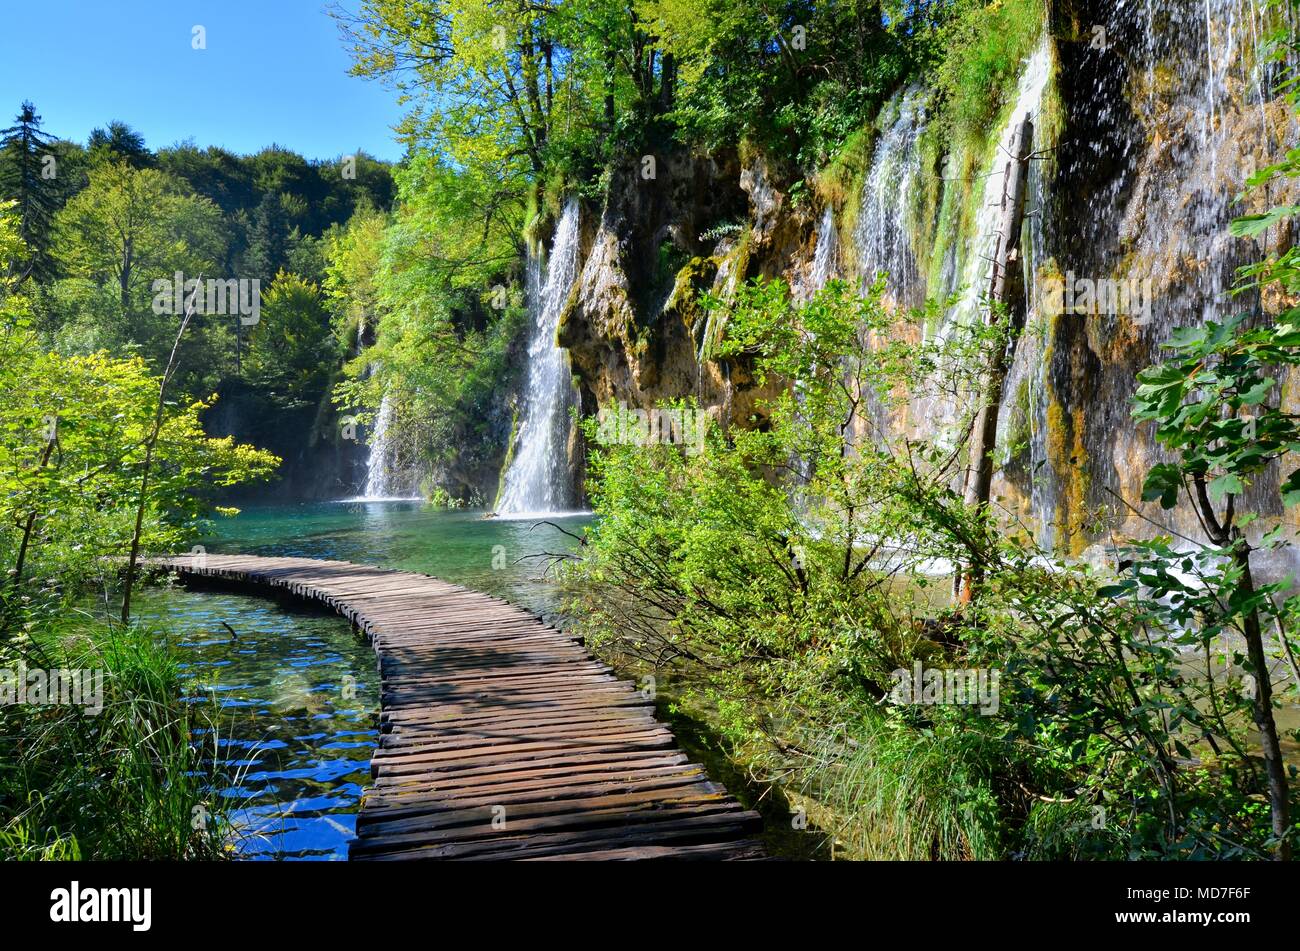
<point>297,689</point>
<point>511,559</point>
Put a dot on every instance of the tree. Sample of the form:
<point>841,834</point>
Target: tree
<point>132,226</point>
<point>11,245</point>
<point>214,172</point>
<point>268,237</point>
<point>29,175</point>
<point>509,89</point>
<point>352,274</point>
<point>79,433</point>
<point>119,143</point>
<point>1216,404</point>
<point>483,61</point>
<point>289,347</point>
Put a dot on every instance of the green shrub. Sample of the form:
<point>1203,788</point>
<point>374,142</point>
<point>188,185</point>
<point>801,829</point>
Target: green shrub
<point>985,43</point>
<point>791,570</point>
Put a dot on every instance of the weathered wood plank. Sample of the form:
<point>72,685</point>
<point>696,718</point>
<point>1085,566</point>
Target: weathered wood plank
<point>501,737</point>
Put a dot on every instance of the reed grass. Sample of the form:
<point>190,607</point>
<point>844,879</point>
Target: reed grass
<point>128,783</point>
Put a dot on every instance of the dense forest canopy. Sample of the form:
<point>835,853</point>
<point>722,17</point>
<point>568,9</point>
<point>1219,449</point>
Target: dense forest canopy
<point>102,223</point>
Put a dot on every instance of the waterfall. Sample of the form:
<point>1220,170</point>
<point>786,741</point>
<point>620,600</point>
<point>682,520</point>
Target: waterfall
<point>825,262</point>
<point>377,470</point>
<point>885,242</point>
<point>1217,95</point>
<point>377,465</point>
<point>388,478</point>
<point>1163,120</point>
<point>881,236</point>
<point>538,479</point>
<point>977,272</point>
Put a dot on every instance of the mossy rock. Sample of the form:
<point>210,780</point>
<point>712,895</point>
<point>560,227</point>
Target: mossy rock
<point>696,277</point>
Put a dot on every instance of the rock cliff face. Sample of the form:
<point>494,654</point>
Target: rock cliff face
<point>1163,116</point>
<point>1148,119</point>
<point>633,327</point>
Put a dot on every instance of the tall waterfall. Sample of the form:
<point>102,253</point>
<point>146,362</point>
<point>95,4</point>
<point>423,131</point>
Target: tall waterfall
<point>882,236</point>
<point>1142,151</point>
<point>977,271</point>
<point>1198,109</point>
<point>887,243</point>
<point>388,478</point>
<point>378,481</point>
<point>1163,121</point>
<point>1028,373</point>
<point>538,479</point>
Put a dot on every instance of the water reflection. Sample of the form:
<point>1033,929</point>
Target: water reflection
<point>298,696</point>
<point>297,688</point>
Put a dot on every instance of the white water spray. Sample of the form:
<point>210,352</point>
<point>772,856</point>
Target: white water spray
<point>882,236</point>
<point>538,480</point>
<point>826,256</point>
<point>386,479</point>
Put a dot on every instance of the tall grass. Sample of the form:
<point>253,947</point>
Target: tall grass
<point>892,792</point>
<point>127,783</point>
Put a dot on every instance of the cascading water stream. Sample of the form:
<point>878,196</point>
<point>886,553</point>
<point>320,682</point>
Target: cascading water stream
<point>826,255</point>
<point>825,261</point>
<point>882,237</point>
<point>937,412</point>
<point>377,472</point>
<point>538,480</point>
<point>977,271</point>
<point>387,478</point>
<point>824,265</point>
<point>1163,121</point>
<point>1027,368</point>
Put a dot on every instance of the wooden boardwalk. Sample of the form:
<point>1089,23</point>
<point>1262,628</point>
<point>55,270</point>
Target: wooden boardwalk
<point>501,737</point>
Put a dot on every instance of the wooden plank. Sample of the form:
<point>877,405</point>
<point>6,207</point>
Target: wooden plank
<point>488,713</point>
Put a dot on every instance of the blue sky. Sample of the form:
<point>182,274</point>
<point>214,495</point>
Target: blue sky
<point>273,71</point>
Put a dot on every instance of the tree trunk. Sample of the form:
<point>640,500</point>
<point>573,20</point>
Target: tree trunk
<point>148,454</point>
<point>29,525</point>
<point>609,90</point>
<point>979,477</point>
<point>667,81</point>
<point>1278,792</point>
<point>124,278</point>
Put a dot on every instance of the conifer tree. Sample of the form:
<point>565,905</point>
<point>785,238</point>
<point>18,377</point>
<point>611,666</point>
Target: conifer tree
<point>29,177</point>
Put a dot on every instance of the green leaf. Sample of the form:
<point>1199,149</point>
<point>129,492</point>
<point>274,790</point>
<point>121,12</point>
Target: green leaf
<point>1250,225</point>
<point>1257,393</point>
<point>1163,483</point>
<point>1224,485</point>
<point>1291,489</point>
<point>1116,590</point>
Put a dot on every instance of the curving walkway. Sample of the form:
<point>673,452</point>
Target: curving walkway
<point>501,737</point>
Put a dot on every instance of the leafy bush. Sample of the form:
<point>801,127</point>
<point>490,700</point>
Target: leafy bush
<point>797,567</point>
